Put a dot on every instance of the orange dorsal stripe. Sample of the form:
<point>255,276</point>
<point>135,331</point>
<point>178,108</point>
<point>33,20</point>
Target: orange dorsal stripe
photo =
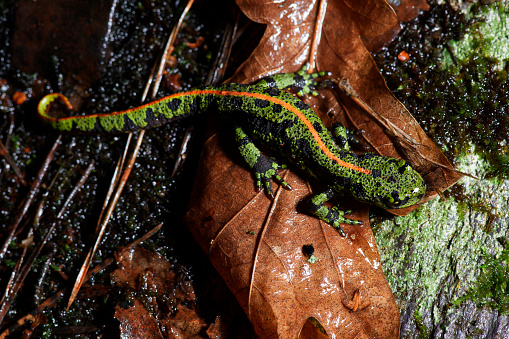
<point>295,111</point>
<point>286,105</point>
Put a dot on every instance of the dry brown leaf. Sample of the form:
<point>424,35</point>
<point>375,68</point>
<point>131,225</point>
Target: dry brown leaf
<point>255,243</point>
<point>268,272</point>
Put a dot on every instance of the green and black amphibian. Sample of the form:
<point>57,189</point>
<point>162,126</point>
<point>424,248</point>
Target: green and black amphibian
<point>266,113</point>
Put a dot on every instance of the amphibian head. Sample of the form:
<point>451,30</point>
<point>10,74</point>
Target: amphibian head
<point>392,183</point>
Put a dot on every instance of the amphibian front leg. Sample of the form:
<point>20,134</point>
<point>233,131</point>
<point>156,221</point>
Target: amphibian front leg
<point>333,216</point>
<point>264,168</point>
<point>301,82</point>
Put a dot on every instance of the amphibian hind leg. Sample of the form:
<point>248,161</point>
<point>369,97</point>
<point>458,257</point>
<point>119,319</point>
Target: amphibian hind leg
<point>264,168</point>
<point>333,216</point>
<point>301,82</point>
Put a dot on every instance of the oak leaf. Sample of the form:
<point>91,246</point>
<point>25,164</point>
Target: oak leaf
<point>256,243</point>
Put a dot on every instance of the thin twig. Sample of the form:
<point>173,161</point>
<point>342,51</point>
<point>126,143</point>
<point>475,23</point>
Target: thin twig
<point>52,301</point>
<point>147,235</point>
<point>317,33</point>
<point>7,297</point>
<point>5,153</point>
<point>219,67</point>
<point>20,278</point>
<point>169,48</point>
<point>114,180</point>
<point>34,189</point>
<point>214,76</point>
<point>119,188</point>
<point>7,139</point>
<point>84,268</point>
<point>182,155</point>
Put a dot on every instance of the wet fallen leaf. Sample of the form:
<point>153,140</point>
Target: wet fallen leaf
<point>409,9</point>
<point>136,321</point>
<point>406,10</point>
<point>218,329</point>
<point>255,243</point>
<point>158,303</point>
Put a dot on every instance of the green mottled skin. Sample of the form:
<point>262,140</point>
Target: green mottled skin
<point>268,114</point>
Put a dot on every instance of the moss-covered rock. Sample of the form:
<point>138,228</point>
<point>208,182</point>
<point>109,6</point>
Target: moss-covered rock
<point>447,262</point>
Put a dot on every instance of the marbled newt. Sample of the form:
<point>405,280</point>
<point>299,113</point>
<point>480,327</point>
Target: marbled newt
<point>267,113</point>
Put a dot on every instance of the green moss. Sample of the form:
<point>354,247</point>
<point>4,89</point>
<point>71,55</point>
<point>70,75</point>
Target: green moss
<point>420,325</point>
<point>431,255</point>
<point>491,287</point>
<point>9,263</point>
<point>459,93</point>
<point>15,141</point>
<point>484,36</point>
